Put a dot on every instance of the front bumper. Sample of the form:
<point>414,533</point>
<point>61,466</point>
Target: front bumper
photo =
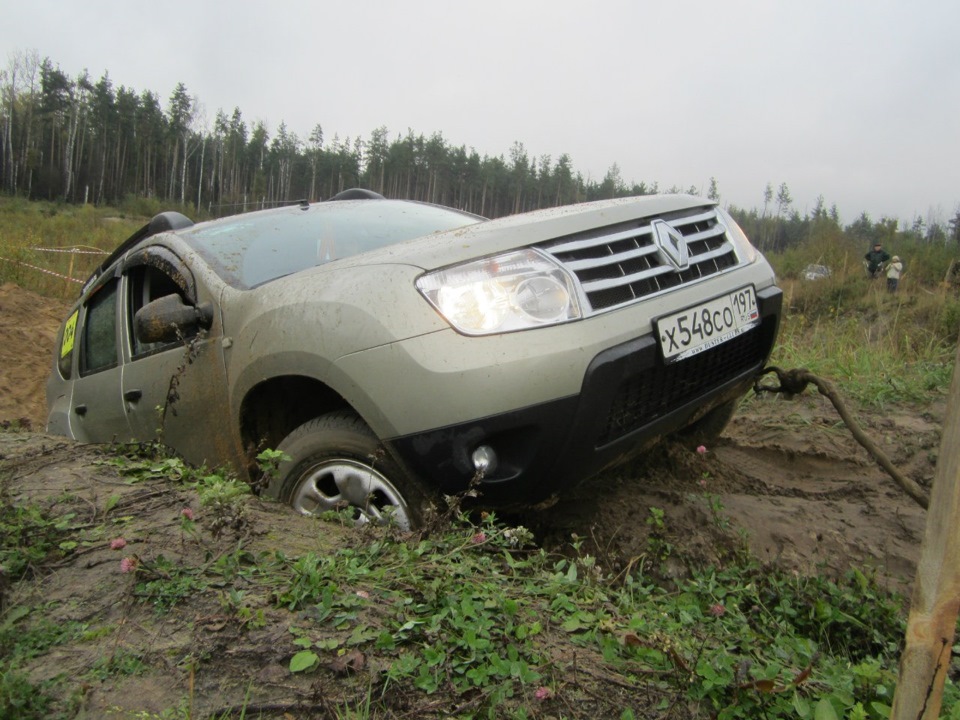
<point>629,399</point>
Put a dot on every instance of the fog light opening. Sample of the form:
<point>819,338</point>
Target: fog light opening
<point>484,459</point>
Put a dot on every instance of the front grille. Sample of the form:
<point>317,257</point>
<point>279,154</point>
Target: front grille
<point>622,264</point>
<point>652,393</point>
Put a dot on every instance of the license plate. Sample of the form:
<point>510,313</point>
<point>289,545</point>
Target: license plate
<point>702,327</point>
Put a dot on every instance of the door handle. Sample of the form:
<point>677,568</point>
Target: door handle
<point>132,395</point>
<point>80,410</point>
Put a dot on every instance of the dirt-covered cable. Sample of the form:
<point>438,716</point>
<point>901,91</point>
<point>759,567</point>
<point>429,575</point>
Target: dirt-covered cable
<point>794,382</point>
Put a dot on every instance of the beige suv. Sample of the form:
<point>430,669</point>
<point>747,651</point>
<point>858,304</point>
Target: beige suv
<point>397,350</point>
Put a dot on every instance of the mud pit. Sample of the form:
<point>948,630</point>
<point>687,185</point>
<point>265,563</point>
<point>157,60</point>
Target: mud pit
<point>787,482</point>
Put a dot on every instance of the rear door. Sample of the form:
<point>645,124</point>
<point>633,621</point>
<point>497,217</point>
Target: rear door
<point>97,411</point>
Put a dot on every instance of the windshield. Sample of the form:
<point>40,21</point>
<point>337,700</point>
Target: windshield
<point>249,250</point>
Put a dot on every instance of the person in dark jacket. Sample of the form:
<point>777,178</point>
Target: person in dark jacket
<point>875,259</point>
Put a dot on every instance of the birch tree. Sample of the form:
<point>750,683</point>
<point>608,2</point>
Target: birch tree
<point>784,200</point>
<point>314,149</point>
<point>18,89</point>
<point>79,92</point>
<point>180,114</point>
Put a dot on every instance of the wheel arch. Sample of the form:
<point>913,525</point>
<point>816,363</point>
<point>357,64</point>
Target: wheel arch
<point>275,407</point>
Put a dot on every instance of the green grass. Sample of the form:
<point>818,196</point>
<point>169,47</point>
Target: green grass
<point>22,699</point>
<point>30,537</point>
<point>29,229</point>
<point>874,364</point>
<point>483,616</point>
<point>877,347</point>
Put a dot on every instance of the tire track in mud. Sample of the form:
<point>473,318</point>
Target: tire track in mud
<point>769,471</point>
<point>814,513</point>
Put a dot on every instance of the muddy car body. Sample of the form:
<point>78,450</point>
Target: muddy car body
<point>397,350</point>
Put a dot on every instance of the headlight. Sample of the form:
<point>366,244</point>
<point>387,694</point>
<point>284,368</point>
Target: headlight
<point>515,291</point>
<point>745,249</point>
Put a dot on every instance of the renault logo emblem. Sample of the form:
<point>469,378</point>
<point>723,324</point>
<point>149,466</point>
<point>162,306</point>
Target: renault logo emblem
<point>672,245</point>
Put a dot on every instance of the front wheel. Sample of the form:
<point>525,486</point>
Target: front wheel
<point>336,462</point>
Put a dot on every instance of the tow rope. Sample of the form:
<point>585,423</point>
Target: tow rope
<point>794,382</point>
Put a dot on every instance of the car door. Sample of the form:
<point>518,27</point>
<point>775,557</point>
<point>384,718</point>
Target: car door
<point>174,391</point>
<point>96,409</point>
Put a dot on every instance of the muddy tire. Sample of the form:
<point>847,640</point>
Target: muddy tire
<point>336,462</point>
<point>711,426</point>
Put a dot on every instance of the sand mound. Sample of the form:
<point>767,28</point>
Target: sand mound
<point>28,330</point>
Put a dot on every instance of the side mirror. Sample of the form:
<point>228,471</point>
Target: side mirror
<point>166,319</point>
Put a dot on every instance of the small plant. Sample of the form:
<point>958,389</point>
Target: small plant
<point>268,461</point>
<point>721,521</point>
<point>233,603</point>
<point>143,462</point>
<point>224,498</point>
<point>21,699</point>
<point>660,548</point>
<point>161,582</point>
<point>31,538</point>
<point>121,662</point>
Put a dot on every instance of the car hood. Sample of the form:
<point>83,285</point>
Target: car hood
<point>515,231</point>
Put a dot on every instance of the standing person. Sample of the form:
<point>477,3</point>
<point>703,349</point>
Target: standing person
<point>874,260</point>
<point>894,270</point>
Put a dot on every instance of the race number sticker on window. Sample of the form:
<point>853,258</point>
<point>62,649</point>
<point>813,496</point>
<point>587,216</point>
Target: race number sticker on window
<point>69,335</point>
<point>702,327</point>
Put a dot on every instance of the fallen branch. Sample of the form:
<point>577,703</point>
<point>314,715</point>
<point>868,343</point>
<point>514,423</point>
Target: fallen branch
<point>794,382</point>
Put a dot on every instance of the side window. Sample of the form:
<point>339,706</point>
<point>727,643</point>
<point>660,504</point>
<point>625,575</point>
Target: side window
<point>147,284</point>
<point>99,343</point>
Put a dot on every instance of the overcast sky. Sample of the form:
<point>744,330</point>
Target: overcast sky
<point>858,101</point>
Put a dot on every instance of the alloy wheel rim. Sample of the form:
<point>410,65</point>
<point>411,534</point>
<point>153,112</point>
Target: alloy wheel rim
<point>340,483</point>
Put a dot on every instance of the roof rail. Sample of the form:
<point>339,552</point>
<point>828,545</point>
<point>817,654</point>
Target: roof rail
<point>356,194</point>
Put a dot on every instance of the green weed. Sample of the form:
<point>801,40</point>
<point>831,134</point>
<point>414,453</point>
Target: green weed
<point>27,633</point>
<point>21,699</point>
<point>740,641</point>
<point>143,462</point>
<point>121,662</point>
<point>879,363</point>
<point>31,538</point>
<point>164,584</point>
<point>660,548</point>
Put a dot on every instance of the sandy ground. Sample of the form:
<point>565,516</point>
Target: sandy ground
<point>28,327</point>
